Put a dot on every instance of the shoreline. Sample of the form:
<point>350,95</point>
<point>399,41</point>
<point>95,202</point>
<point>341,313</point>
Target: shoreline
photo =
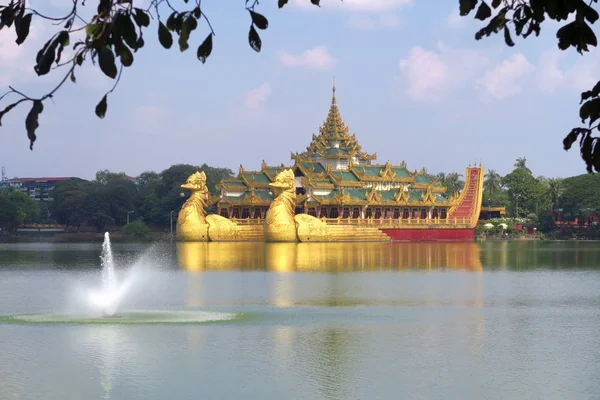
<point>119,237</point>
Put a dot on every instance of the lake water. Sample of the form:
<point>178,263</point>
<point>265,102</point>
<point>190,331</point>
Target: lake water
<point>312,321</point>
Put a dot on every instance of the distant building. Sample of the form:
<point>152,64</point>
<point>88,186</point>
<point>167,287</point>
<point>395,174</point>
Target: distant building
<point>39,189</point>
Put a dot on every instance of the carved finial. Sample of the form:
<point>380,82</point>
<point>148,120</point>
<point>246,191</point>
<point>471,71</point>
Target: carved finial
<point>263,165</point>
<point>334,125</point>
<point>241,170</point>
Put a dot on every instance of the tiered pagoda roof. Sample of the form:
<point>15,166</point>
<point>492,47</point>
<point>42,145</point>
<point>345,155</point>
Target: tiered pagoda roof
<point>361,182</point>
<point>334,140</point>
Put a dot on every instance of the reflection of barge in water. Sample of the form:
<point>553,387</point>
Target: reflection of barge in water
<point>329,256</point>
<point>333,192</point>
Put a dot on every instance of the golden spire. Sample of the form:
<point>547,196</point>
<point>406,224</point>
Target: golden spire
<point>334,124</point>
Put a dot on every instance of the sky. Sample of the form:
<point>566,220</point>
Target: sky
<point>412,83</point>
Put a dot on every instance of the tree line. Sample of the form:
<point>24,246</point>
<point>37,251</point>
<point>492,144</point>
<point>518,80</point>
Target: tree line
<point>108,201</point>
<point>538,198</point>
<point>111,198</point>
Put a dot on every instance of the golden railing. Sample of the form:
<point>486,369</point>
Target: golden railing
<point>378,222</point>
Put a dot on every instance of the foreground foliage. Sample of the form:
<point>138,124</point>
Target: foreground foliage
<point>523,18</point>
<point>116,31</point>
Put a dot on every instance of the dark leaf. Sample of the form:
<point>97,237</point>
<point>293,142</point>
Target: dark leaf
<point>590,110</point>
<point>572,137</point>
<point>164,36</point>
<point>73,79</point>
<point>140,42</point>
<point>45,57</point>
<point>80,59</point>
<point>188,25</point>
<point>281,3</point>
<point>129,32</point>
<point>586,95</point>
<point>205,48</point>
<point>316,2</point>
<point>259,20</point>
<point>596,89</point>
<point>106,59</point>
<point>483,12</point>
<point>197,13</point>
<point>23,29</point>
<point>172,21</point>
<point>101,108</point>
<point>496,3</point>
<point>126,56</point>
<point>254,39</point>
<point>31,121</point>
<point>104,7</point>
<point>589,13</point>
<point>585,150</point>
<point>507,38</point>
<point>466,6</point>
<point>6,111</point>
<point>63,40</point>
<point>7,16</point>
<point>141,17</point>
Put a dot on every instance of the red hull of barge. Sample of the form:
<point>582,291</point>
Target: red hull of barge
<point>430,235</point>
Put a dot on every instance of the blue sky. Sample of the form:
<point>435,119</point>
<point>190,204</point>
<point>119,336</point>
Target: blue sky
<point>412,83</point>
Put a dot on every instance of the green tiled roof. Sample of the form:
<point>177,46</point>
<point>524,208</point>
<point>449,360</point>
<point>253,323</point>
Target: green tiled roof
<point>401,172</point>
<point>257,177</point>
<point>234,183</point>
<point>422,179</point>
<point>312,166</point>
<point>368,171</point>
<point>274,171</point>
<point>345,176</point>
<point>357,194</point>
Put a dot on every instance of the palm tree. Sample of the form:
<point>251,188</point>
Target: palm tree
<point>453,183</point>
<point>493,182</point>
<point>521,162</point>
<point>555,188</point>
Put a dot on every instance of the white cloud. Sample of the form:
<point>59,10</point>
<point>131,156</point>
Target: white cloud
<point>581,75</point>
<point>503,80</point>
<point>430,75</point>
<point>257,97</point>
<point>317,58</point>
<point>17,62</point>
<point>367,22</point>
<point>375,6</point>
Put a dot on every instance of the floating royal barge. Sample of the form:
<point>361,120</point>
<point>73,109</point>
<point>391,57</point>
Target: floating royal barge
<point>333,192</point>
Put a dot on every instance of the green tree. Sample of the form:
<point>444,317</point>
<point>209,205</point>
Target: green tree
<point>555,191</point>
<point>521,162</point>
<point>136,229</point>
<point>105,176</point>
<point>581,196</point>
<point>498,198</point>
<point>16,208</point>
<point>72,200</point>
<point>492,182</point>
<point>525,193</point>
<point>454,183</point>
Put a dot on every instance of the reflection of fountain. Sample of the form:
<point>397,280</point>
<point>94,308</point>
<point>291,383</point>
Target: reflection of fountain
<point>109,297</point>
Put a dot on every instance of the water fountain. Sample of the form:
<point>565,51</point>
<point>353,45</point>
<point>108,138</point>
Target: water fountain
<point>112,292</point>
<point>100,305</point>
